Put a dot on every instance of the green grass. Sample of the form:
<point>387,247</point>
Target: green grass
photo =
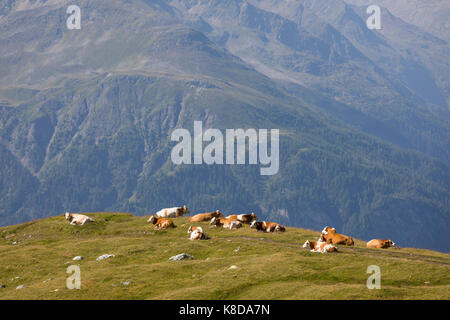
<point>270,266</point>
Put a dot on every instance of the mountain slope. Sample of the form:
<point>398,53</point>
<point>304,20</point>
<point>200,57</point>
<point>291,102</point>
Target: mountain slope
<point>396,76</point>
<point>426,14</point>
<point>327,172</point>
<point>140,269</point>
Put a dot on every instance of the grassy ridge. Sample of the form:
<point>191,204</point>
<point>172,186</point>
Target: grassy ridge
<point>270,266</point>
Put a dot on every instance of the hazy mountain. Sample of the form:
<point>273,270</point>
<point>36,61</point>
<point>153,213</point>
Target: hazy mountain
<point>86,116</point>
<point>396,76</point>
<point>430,15</point>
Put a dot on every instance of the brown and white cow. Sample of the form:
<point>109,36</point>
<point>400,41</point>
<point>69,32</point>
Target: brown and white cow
<point>329,235</point>
<point>77,219</point>
<point>267,226</point>
<point>319,246</point>
<point>244,218</point>
<point>380,244</point>
<point>161,223</point>
<point>201,217</point>
<point>226,223</point>
<point>172,212</point>
<point>197,233</point>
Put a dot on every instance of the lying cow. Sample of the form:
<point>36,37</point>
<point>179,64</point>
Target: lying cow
<point>172,212</point>
<point>78,219</point>
<point>201,217</point>
<point>244,218</point>
<point>225,223</point>
<point>380,244</point>
<point>329,235</point>
<point>319,246</point>
<point>197,233</point>
<point>161,223</point>
<point>264,226</point>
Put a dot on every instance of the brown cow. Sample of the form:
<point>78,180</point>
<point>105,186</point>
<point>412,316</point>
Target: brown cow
<point>205,216</point>
<point>244,218</point>
<point>329,235</point>
<point>267,226</point>
<point>319,246</point>
<point>380,244</point>
<point>161,223</point>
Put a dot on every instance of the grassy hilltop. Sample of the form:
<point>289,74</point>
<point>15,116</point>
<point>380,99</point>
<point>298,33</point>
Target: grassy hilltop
<point>269,266</point>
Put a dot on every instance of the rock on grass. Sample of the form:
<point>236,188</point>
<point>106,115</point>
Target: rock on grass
<point>180,256</point>
<point>105,256</point>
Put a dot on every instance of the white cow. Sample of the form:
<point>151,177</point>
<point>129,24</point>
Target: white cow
<point>319,246</point>
<point>78,219</point>
<point>172,212</point>
<point>197,233</point>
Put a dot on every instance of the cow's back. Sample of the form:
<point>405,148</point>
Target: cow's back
<point>167,213</point>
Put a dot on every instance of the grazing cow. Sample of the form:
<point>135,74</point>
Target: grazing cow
<point>319,246</point>
<point>329,235</point>
<point>267,226</point>
<point>201,217</point>
<point>172,212</point>
<point>380,244</point>
<point>226,223</point>
<point>244,218</point>
<point>197,233</point>
<point>161,223</point>
<point>77,219</point>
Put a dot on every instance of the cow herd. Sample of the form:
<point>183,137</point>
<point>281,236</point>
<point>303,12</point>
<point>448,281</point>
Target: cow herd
<point>329,238</point>
<point>161,220</point>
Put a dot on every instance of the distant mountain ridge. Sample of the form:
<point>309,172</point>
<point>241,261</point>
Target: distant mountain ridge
<point>86,115</point>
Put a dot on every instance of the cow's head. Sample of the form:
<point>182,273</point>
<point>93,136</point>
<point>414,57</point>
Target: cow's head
<point>391,243</point>
<point>253,217</point>
<point>214,221</point>
<point>185,210</point>
<point>328,229</point>
<point>349,241</point>
<point>190,229</point>
<point>217,214</point>
<point>68,216</point>
<point>280,228</point>
<point>152,219</point>
<point>258,225</point>
<point>308,244</point>
<point>323,237</point>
